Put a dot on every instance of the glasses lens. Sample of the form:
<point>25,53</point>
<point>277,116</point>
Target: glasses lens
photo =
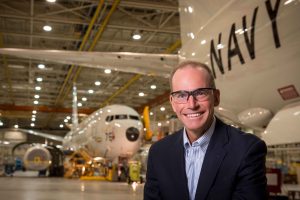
<point>180,97</point>
<point>201,94</point>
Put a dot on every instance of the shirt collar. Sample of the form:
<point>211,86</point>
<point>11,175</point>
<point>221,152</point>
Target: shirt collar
<point>203,140</point>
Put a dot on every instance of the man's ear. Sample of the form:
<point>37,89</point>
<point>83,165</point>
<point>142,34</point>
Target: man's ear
<point>216,97</point>
<point>171,102</point>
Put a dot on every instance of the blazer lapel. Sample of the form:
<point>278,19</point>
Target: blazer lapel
<point>212,161</point>
<point>178,162</point>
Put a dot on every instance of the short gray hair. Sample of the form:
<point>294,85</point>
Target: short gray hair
<point>193,64</point>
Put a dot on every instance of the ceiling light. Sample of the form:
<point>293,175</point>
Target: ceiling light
<point>162,108</point>
<point>107,71</point>
<point>1,123</point>
<point>6,142</point>
<point>151,113</point>
<point>153,87</point>
<point>190,9</point>
<point>141,94</point>
<point>36,102</point>
<point>36,96</point>
<point>90,91</point>
<point>32,125</point>
<point>203,42</point>
<point>33,119</point>
<point>33,116</point>
<point>34,112</point>
<point>61,126</point>
<point>38,88</point>
<point>68,117</point>
<point>39,79</point>
<point>51,1</point>
<point>136,35</point>
<point>47,28</point>
<point>79,104</point>
<point>16,126</point>
<point>66,120</point>
<point>84,99</point>
<point>97,83</point>
<point>158,124</point>
<point>41,66</point>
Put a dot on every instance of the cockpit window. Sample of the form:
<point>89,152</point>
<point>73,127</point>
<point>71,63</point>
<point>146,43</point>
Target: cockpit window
<point>121,117</point>
<point>109,118</point>
<point>134,117</point>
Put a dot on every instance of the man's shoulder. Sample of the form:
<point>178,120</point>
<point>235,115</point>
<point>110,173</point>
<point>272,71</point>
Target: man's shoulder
<point>239,136</point>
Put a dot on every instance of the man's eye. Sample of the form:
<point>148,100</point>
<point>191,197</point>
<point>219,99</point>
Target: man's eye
<point>181,95</point>
<point>200,92</point>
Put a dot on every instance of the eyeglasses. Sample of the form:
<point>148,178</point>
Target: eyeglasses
<point>200,94</point>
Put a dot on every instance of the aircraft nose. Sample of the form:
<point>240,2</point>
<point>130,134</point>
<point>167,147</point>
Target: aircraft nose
<point>132,134</point>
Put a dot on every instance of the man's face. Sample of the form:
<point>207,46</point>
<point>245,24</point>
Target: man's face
<point>196,116</point>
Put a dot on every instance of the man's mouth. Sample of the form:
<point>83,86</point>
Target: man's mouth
<point>193,115</point>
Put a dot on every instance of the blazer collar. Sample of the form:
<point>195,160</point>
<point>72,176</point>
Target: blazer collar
<point>212,161</point>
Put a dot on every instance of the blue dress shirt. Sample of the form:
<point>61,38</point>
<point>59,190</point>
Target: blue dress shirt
<point>194,156</point>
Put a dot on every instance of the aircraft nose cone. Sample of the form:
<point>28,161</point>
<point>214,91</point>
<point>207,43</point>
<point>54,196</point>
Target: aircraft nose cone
<point>132,134</point>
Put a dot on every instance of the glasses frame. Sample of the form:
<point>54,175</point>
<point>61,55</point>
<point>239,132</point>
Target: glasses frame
<point>190,93</point>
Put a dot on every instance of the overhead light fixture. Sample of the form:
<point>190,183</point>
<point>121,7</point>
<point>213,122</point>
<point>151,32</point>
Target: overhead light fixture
<point>47,28</point>
<point>136,35</point>
<point>162,108</point>
<point>90,91</point>
<point>153,87</point>
<point>141,94</point>
<point>32,124</point>
<point>84,99</point>
<point>51,1</point>
<point>107,71</point>
<point>39,79</point>
<point>79,104</point>
<point>1,123</point>
<point>36,96</point>
<point>34,111</point>
<point>16,126</point>
<point>38,88</point>
<point>97,83</point>
<point>41,66</point>
<point>61,126</point>
<point>36,102</point>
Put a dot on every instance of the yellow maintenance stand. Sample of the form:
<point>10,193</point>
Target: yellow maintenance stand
<point>134,172</point>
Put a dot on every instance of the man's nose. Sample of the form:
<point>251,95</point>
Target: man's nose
<point>192,102</point>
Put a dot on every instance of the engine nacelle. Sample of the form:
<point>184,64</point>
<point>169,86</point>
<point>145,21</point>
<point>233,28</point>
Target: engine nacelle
<point>37,158</point>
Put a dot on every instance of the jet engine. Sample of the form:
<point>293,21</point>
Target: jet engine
<point>37,158</point>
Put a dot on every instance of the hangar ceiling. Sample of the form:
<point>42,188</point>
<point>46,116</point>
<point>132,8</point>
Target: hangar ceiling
<point>111,24</point>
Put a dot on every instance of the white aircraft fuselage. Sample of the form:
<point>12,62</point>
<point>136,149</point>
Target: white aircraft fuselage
<point>111,132</point>
<point>253,49</point>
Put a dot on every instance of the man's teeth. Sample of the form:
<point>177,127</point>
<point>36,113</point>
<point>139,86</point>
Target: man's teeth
<point>193,115</point>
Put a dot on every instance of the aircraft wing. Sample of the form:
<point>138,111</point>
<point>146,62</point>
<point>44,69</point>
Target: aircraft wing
<point>139,63</point>
<point>44,135</point>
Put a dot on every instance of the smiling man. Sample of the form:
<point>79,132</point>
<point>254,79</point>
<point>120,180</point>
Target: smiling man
<point>207,159</point>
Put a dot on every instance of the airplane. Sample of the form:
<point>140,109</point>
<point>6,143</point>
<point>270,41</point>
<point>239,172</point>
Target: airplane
<point>111,133</point>
<point>252,47</point>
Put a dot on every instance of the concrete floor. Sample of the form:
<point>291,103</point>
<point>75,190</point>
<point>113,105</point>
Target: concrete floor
<point>28,188</point>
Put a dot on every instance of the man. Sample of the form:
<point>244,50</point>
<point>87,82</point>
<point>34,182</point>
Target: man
<point>207,159</point>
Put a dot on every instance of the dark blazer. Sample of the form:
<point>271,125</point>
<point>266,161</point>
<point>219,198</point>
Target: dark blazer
<point>233,168</point>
